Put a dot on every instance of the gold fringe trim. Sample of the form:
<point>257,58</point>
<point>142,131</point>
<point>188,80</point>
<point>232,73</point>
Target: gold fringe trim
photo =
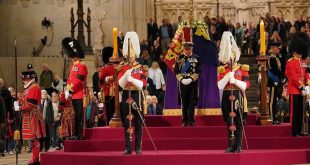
<point>198,112</point>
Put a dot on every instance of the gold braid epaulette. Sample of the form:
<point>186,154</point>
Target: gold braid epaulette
<point>221,69</point>
<point>245,67</point>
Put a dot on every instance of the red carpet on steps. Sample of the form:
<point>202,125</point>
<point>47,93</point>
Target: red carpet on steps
<point>168,121</point>
<point>203,144</point>
<point>179,157</point>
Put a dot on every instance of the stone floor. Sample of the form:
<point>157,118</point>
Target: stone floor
<point>22,158</point>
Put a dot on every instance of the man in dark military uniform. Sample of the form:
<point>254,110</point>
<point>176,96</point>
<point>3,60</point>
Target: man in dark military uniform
<point>132,80</point>
<point>274,80</point>
<point>233,80</point>
<point>298,80</point>
<point>187,70</point>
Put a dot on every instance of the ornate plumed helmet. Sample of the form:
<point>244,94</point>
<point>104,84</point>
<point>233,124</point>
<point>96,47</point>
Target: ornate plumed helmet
<point>228,48</point>
<point>107,53</point>
<point>300,43</point>
<point>133,43</point>
<point>72,47</point>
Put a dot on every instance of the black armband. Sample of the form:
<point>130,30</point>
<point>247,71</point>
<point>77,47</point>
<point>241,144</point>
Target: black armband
<point>81,77</point>
<point>32,101</point>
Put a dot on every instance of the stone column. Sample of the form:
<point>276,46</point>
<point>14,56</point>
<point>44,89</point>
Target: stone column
<point>243,9</point>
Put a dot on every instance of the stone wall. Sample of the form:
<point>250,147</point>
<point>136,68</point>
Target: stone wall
<point>21,20</point>
<point>7,67</point>
<point>234,10</point>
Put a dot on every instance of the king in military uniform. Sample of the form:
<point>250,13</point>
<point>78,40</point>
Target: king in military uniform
<point>233,80</point>
<point>187,70</point>
<point>76,83</point>
<point>132,80</point>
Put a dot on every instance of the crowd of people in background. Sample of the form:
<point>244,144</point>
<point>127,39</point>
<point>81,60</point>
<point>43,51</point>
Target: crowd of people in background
<point>153,50</point>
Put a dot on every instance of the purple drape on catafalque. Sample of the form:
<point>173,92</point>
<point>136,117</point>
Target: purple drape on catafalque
<point>208,91</point>
<point>171,97</point>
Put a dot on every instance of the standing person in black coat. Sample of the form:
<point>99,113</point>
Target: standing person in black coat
<point>9,115</point>
<point>2,127</point>
<point>152,32</point>
<point>274,79</point>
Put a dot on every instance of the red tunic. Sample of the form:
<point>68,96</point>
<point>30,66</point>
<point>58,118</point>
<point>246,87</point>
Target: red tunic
<point>32,116</point>
<point>296,75</point>
<point>108,88</point>
<point>137,73</point>
<point>241,73</point>
<point>77,79</point>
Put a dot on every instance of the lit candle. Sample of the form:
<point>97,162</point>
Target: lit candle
<point>262,38</point>
<point>115,50</point>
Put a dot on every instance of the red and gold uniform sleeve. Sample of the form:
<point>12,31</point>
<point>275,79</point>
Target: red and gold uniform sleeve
<point>137,73</point>
<point>292,73</point>
<point>31,98</point>
<point>245,75</point>
<point>106,71</point>
<point>221,71</point>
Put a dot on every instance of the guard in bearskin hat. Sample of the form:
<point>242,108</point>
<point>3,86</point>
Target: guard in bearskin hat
<point>132,80</point>
<point>298,80</point>
<point>275,80</point>
<point>106,82</point>
<point>76,83</point>
<point>233,80</point>
<point>33,125</point>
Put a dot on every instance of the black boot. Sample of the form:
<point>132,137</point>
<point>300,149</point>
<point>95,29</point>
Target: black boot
<point>231,142</point>
<point>138,146</point>
<point>238,149</point>
<point>127,145</point>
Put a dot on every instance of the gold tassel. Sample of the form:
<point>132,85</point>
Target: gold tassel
<point>245,104</point>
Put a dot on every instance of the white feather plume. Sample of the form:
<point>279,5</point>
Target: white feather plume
<point>228,46</point>
<point>134,39</point>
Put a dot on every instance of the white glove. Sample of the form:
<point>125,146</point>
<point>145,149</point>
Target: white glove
<point>307,90</point>
<point>128,72</point>
<point>67,94</point>
<point>129,78</point>
<point>107,79</point>
<point>223,82</point>
<point>16,105</point>
<point>186,81</point>
<point>100,105</point>
<point>232,80</point>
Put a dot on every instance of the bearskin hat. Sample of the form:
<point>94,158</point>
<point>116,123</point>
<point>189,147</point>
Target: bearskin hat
<point>72,47</point>
<point>107,53</point>
<point>300,43</point>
